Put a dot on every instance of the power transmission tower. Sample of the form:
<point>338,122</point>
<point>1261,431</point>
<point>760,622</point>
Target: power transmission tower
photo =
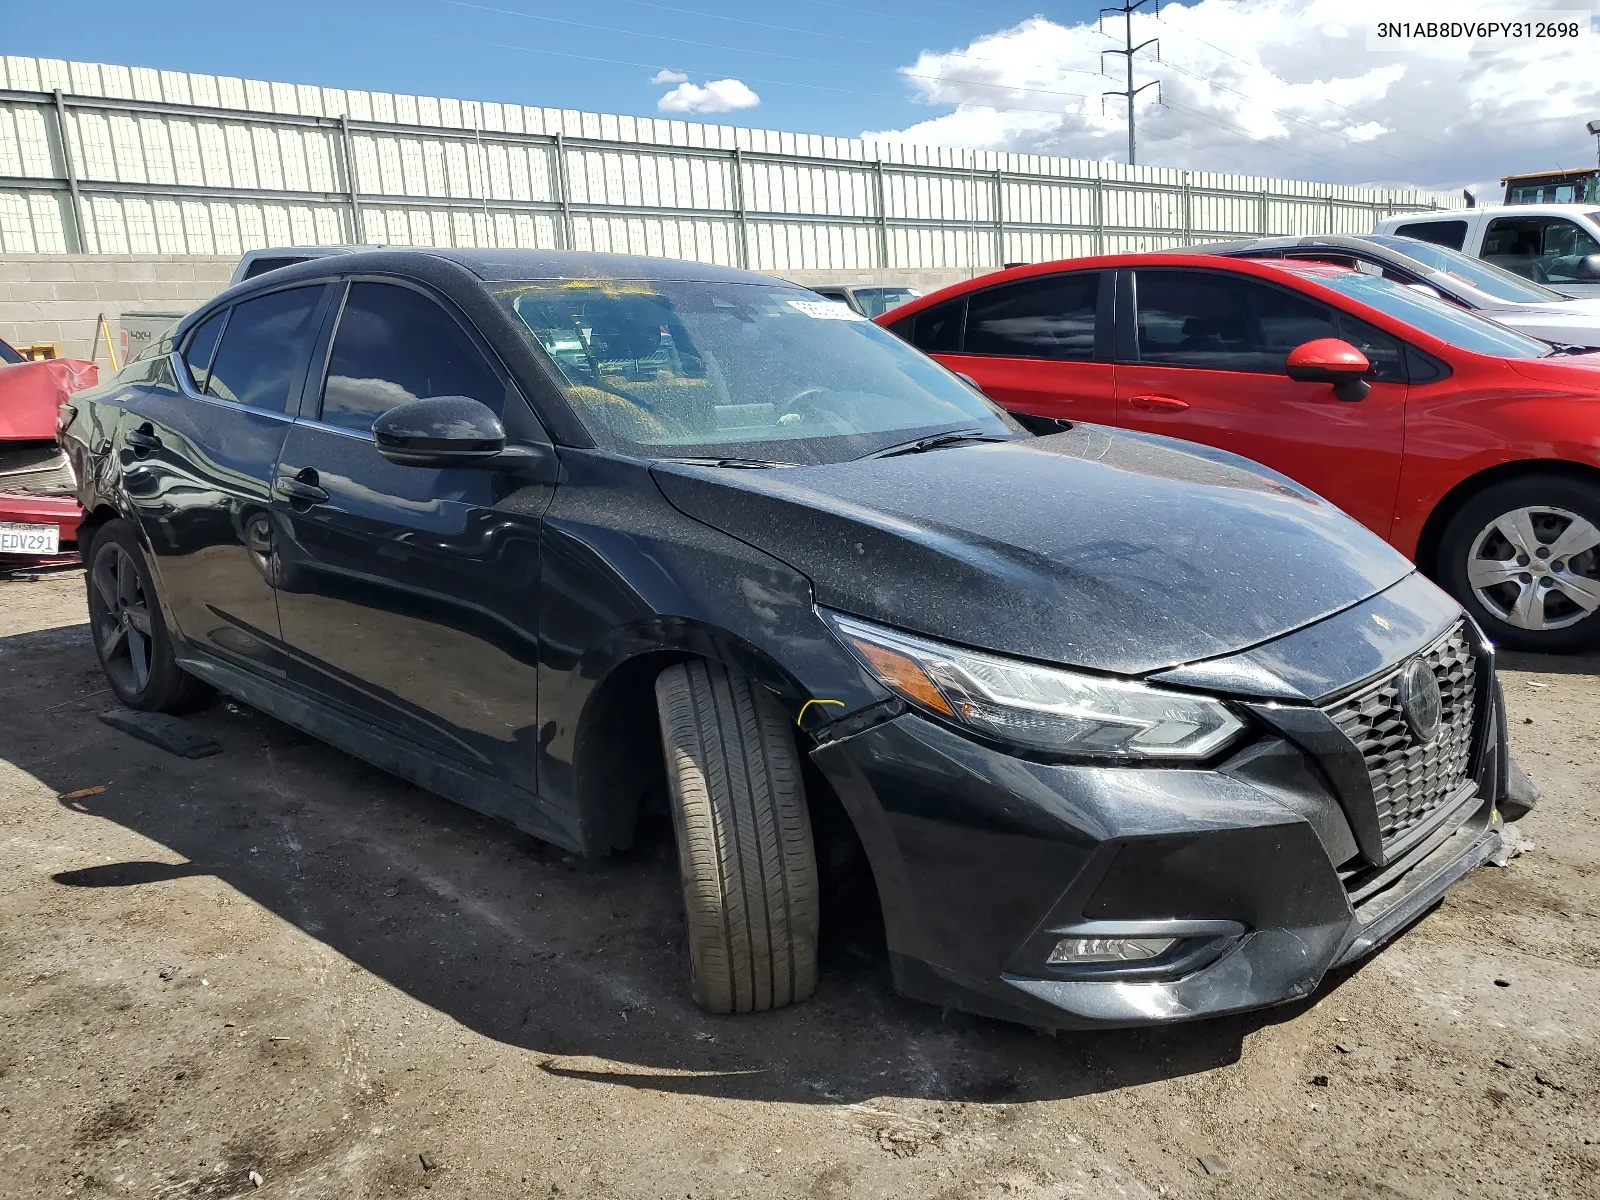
<point>1127,9</point>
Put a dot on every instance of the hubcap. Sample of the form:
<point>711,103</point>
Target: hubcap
<point>121,616</point>
<point>1537,568</point>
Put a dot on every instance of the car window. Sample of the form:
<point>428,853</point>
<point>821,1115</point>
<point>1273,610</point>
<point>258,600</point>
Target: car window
<point>1386,354</point>
<point>1543,249</point>
<point>936,330</point>
<point>875,301</point>
<point>263,345</point>
<point>1474,272</point>
<point>1223,322</point>
<point>1440,233</point>
<point>202,345</point>
<point>8,355</point>
<point>393,345</point>
<point>747,370</point>
<point>262,265</point>
<point>1444,321</point>
<point>1052,317</point>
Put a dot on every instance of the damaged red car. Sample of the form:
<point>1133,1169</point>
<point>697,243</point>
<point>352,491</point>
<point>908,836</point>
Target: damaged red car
<point>38,502</point>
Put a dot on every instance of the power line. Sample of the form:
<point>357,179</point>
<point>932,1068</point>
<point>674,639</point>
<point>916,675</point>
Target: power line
<point>663,37</point>
<point>1250,137</point>
<point>1311,125</point>
<point>1266,70</point>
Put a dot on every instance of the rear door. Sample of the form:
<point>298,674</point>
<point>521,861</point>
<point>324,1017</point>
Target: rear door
<point>409,594</point>
<point>1203,359</point>
<point>1036,346</point>
<point>198,444</point>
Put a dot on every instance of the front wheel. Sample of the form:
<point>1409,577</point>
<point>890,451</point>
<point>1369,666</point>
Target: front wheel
<point>745,853</point>
<point>130,637</point>
<point>1523,557</point>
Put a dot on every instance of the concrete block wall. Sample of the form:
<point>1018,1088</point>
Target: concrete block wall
<point>57,297</point>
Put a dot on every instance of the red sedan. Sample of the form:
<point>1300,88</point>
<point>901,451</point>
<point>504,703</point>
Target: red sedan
<point>1472,448</point>
<point>38,496</point>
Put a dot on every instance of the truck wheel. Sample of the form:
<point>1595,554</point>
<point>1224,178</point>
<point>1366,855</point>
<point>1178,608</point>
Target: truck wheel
<point>1523,557</point>
<point>745,853</point>
<point>130,638</point>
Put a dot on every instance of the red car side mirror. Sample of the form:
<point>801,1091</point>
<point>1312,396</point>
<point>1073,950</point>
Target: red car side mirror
<point>1330,360</point>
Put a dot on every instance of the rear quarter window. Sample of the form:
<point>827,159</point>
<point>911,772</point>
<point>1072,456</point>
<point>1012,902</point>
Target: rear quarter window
<point>1441,233</point>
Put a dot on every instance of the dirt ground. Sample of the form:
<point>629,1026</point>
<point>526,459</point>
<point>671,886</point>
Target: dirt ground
<point>279,964</point>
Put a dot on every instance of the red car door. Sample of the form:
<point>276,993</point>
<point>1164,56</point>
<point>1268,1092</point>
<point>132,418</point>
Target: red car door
<point>1031,344</point>
<point>1203,358</point>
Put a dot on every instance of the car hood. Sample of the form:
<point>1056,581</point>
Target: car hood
<point>31,392</point>
<point>1118,552</point>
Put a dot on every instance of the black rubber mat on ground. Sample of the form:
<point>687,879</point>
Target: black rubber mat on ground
<point>173,734</point>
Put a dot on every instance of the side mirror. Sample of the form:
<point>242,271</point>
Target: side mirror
<point>441,431</point>
<point>1330,360</point>
<point>1427,289</point>
<point>969,381</point>
<point>1588,267</point>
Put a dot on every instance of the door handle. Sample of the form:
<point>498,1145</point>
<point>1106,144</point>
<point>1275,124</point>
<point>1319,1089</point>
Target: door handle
<point>1159,404</point>
<point>301,488</point>
<point>143,439</point>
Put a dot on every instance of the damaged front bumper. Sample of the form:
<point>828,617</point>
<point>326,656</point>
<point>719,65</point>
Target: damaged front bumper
<point>1252,870</point>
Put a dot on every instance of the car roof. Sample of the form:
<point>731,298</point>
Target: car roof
<point>1262,268</point>
<point>494,266</point>
<point>1497,210</point>
<point>1312,270</point>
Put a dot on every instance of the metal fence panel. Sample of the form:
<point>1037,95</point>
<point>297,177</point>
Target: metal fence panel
<point>114,159</point>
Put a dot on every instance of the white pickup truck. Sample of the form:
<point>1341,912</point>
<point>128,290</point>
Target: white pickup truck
<point>1557,245</point>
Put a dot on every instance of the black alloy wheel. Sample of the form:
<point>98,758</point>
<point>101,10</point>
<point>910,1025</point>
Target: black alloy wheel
<point>130,637</point>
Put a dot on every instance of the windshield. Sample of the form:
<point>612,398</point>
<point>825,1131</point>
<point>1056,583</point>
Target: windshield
<point>720,370</point>
<point>875,301</point>
<point>1474,272</point>
<point>1433,316</point>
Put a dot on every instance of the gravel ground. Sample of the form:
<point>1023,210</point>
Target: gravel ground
<point>280,965</point>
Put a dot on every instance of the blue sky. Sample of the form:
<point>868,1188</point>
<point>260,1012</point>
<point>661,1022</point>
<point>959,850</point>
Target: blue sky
<point>1284,88</point>
<point>831,67</point>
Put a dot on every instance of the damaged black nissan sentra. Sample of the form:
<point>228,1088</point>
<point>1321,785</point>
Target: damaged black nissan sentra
<point>1126,730</point>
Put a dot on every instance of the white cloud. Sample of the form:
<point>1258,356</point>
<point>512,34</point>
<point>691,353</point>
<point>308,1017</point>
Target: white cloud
<point>718,96</point>
<point>667,75</point>
<point>1272,87</point>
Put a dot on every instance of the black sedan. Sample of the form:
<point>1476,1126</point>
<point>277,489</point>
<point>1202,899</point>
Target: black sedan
<point>1125,730</point>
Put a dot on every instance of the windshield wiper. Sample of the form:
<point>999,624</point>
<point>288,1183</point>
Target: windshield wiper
<point>934,440</point>
<point>1563,348</point>
<point>748,464</point>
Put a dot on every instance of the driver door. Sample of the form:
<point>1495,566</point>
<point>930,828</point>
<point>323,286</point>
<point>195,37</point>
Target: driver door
<point>408,596</point>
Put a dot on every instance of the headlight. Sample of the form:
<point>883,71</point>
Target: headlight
<point>1043,708</point>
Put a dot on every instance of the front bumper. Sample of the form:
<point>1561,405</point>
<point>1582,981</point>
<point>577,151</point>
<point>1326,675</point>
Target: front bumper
<point>983,861</point>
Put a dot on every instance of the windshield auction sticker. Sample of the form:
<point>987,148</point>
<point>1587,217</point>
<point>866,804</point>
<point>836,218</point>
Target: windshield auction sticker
<point>826,310</point>
<point>1504,30</point>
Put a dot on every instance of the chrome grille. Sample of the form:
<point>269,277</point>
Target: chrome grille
<point>1410,780</point>
<point>38,468</point>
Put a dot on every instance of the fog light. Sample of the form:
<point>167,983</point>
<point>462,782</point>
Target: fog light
<point>1109,949</point>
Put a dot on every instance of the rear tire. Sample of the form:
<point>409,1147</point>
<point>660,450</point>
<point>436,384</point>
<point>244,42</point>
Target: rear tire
<point>1523,557</point>
<point>130,638</point>
<point>745,852</point>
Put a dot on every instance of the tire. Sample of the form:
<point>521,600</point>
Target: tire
<point>745,853</point>
<point>130,637</point>
<point>1553,605</point>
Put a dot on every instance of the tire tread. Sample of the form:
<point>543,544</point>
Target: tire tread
<point>744,839</point>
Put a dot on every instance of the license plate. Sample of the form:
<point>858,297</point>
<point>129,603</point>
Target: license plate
<point>30,539</point>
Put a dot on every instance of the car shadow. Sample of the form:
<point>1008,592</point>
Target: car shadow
<point>1549,664</point>
<point>578,962</point>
